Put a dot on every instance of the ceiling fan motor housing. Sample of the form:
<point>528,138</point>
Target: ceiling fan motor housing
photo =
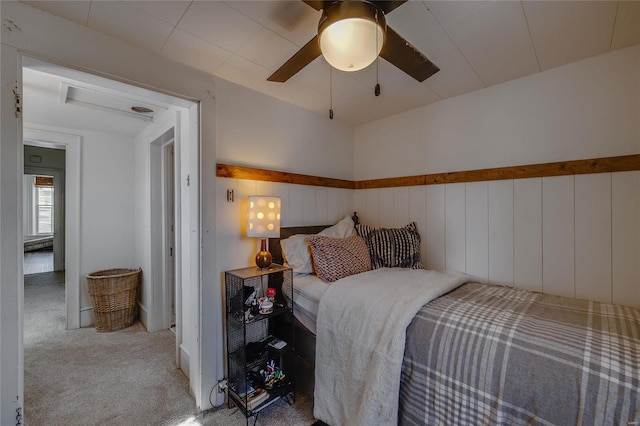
<point>349,49</point>
<point>350,10</point>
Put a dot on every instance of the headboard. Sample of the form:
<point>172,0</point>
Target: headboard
<point>274,243</point>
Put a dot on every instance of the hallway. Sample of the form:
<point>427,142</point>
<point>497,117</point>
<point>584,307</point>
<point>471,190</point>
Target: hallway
<point>82,377</point>
<point>36,262</point>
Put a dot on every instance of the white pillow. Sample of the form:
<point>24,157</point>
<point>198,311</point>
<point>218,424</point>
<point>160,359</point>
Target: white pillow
<point>342,229</point>
<point>296,249</point>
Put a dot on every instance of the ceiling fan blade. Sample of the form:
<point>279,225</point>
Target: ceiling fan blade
<point>388,6</point>
<point>301,59</point>
<point>316,4</point>
<point>405,56</point>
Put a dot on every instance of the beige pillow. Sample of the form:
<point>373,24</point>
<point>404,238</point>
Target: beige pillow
<point>335,258</point>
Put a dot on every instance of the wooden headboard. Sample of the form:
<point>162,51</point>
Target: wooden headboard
<point>274,243</point>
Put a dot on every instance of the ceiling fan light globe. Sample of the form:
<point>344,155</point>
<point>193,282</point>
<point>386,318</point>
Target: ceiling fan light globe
<point>351,44</point>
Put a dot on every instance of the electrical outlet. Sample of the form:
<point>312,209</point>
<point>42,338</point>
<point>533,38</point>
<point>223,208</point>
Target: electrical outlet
<point>222,385</point>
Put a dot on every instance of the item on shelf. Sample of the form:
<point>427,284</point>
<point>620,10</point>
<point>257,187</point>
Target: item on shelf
<point>259,396</point>
<point>254,350</point>
<point>271,374</point>
<point>243,387</point>
<point>255,308</point>
<point>244,297</point>
<point>266,307</point>
<point>247,316</point>
<point>277,343</point>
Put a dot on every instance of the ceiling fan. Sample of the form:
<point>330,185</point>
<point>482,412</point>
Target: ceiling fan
<point>351,35</point>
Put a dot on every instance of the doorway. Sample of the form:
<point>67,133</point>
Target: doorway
<point>197,96</point>
<point>92,243</point>
<point>43,208</point>
<point>163,226</point>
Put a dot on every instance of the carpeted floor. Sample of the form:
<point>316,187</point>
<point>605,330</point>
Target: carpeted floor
<point>127,377</point>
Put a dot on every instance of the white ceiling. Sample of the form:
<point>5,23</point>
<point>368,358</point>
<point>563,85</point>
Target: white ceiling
<point>476,44</point>
<point>102,105</point>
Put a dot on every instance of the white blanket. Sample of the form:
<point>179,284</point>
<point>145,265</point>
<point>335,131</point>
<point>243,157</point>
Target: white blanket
<point>361,332</point>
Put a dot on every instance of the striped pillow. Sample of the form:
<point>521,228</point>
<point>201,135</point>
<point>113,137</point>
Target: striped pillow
<point>335,258</point>
<point>392,248</point>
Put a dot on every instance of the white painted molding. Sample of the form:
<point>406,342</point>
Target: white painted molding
<point>185,361</point>
<point>86,317</point>
<point>143,315</point>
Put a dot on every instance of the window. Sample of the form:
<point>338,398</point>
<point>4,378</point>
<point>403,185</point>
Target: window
<point>43,205</point>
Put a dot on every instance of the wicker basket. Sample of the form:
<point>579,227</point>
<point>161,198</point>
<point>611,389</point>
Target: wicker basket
<point>113,293</point>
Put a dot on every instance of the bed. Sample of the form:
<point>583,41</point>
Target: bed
<point>465,353</point>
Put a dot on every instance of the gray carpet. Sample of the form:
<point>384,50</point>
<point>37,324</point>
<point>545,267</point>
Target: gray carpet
<point>127,377</point>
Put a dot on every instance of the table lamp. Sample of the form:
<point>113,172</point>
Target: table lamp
<point>263,223</point>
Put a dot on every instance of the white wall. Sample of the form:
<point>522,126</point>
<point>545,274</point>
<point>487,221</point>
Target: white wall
<point>301,205</point>
<point>106,208</point>
<point>260,131</point>
<point>575,236</point>
<point>586,109</point>
<point>26,30</point>
<point>50,158</point>
<point>257,130</point>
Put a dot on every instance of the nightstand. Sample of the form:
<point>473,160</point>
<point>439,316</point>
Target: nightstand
<point>260,369</point>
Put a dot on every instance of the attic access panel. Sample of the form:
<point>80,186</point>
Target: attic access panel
<point>103,101</point>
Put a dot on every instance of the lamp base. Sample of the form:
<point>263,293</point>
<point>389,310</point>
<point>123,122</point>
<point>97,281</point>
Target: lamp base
<point>263,258</point>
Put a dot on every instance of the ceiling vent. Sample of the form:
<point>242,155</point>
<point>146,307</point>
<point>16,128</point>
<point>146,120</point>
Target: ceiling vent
<point>111,103</point>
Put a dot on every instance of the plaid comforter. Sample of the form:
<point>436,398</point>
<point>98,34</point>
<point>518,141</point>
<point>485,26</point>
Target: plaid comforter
<point>486,354</point>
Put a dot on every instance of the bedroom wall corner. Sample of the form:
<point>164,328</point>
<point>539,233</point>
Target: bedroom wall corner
<point>586,109</point>
<point>252,132</point>
<point>301,205</point>
<point>260,131</point>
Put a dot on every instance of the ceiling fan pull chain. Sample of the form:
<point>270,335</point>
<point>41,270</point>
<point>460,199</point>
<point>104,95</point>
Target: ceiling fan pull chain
<point>376,90</point>
<point>330,93</point>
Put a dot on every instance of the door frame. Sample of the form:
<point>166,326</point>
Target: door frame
<point>41,136</point>
<point>170,131</point>
<point>169,229</point>
<point>161,137</point>
<point>126,66</point>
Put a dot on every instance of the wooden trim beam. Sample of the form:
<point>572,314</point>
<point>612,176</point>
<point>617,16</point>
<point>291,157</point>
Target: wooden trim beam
<point>562,168</point>
<point>241,172</point>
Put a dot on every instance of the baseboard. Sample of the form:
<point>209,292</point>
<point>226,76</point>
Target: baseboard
<point>184,361</point>
<point>142,314</point>
<point>86,317</point>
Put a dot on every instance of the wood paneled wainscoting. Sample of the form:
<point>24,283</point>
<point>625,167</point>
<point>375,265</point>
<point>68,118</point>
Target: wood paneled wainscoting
<point>569,228</point>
